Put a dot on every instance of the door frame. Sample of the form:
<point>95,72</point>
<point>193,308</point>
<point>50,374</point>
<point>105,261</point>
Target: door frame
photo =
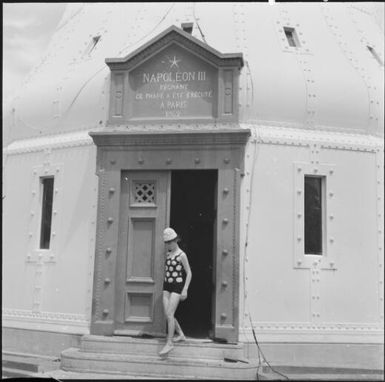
<point>157,149</point>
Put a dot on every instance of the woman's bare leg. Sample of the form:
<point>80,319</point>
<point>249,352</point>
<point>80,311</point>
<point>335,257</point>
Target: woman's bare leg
<point>173,302</point>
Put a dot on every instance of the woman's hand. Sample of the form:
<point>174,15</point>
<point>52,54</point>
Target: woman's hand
<point>183,295</point>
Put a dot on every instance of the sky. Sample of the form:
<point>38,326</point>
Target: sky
<point>27,30</point>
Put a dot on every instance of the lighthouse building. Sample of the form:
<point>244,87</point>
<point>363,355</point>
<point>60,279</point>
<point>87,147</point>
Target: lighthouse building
<point>254,130</point>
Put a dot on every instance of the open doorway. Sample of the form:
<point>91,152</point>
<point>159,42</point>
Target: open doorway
<point>193,216</point>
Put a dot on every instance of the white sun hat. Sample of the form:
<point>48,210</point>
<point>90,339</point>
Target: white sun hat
<point>169,234</point>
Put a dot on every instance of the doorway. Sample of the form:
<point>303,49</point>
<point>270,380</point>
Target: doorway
<point>193,216</point>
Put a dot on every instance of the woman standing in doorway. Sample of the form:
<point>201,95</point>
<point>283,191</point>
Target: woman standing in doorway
<point>177,279</point>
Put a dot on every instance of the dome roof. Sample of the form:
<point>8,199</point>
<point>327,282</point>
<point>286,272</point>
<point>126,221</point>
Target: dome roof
<point>330,80</point>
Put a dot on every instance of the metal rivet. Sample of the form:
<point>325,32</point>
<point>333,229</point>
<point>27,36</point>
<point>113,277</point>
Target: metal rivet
<point>105,311</point>
<point>108,250</point>
<point>299,238</point>
<point>197,160</point>
<point>225,220</point>
<point>331,217</point>
<point>331,194</point>
<point>223,316</point>
<point>112,190</point>
<point>140,160</point>
<point>225,190</point>
<point>299,215</point>
<point>226,160</point>
<point>107,280</point>
<point>224,283</point>
<point>168,161</point>
<point>110,220</point>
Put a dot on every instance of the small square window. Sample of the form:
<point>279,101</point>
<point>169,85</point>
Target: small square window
<point>291,36</point>
<point>91,45</point>
<point>375,55</point>
<point>187,27</point>
<point>314,205</point>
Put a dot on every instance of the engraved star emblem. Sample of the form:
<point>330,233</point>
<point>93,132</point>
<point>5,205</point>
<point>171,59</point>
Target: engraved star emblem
<point>174,62</point>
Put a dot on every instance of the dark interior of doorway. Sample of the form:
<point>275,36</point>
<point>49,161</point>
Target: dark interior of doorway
<point>192,215</point>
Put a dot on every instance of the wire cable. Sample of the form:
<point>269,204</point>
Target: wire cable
<point>196,20</point>
<point>261,352</point>
<point>152,30</point>
<point>255,140</point>
<point>104,67</point>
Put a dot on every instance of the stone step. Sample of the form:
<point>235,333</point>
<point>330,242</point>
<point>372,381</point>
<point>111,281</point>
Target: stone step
<point>318,373</point>
<point>7,372</point>
<point>191,348</point>
<point>28,362</point>
<point>146,365</point>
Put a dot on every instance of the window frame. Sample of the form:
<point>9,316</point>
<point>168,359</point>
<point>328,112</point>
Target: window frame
<point>328,259</point>
<point>34,252</point>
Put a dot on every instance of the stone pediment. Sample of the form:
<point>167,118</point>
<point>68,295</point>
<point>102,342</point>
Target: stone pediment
<point>174,77</point>
<point>175,35</point>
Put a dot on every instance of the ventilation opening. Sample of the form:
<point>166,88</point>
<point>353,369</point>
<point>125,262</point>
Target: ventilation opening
<point>92,44</point>
<point>291,36</point>
<point>375,55</point>
<point>187,27</point>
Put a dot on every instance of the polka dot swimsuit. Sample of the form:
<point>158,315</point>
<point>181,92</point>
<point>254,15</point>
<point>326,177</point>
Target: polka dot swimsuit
<point>174,271</point>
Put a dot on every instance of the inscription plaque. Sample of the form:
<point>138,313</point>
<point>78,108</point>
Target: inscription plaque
<point>174,84</point>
